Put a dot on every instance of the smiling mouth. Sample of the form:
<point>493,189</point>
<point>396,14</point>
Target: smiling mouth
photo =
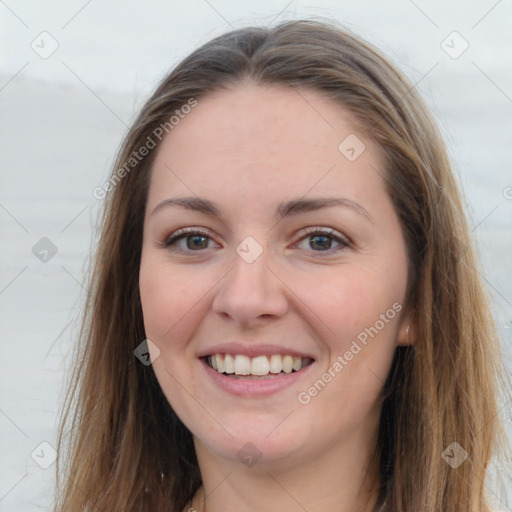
<point>240,366</point>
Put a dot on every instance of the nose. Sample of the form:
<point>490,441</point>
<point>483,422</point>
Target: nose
<point>251,292</point>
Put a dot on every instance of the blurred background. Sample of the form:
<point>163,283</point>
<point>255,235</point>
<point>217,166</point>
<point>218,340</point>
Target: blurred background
<point>72,76</point>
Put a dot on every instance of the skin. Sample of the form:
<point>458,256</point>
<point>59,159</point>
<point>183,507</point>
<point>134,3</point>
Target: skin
<point>248,149</point>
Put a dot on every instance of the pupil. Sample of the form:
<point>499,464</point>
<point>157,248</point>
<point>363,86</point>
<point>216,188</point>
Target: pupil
<point>322,242</point>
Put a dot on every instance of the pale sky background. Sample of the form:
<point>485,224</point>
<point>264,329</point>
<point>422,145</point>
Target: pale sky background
<point>63,116</point>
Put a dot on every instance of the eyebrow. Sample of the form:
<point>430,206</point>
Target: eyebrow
<point>286,209</point>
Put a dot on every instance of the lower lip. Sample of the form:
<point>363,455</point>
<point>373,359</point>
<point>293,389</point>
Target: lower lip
<point>254,387</point>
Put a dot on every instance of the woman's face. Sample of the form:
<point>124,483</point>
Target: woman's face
<point>272,249</point>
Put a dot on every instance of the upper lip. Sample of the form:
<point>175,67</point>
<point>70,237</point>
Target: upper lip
<point>251,349</point>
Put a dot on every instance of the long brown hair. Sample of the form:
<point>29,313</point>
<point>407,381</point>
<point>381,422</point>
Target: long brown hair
<point>121,446</point>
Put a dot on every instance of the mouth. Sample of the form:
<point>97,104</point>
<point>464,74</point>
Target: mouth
<point>240,366</point>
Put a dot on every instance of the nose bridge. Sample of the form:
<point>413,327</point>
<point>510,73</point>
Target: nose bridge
<point>249,274</point>
<point>250,289</point>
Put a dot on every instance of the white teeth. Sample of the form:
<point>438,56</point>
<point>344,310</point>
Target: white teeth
<point>259,366</point>
<point>275,363</point>
<point>220,363</point>
<point>287,364</point>
<point>229,364</point>
<point>242,365</point>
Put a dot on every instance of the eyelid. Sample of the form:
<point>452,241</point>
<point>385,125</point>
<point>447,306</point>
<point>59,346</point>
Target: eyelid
<point>330,231</point>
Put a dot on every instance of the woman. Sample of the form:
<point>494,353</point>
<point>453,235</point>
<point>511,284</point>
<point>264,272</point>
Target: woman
<point>284,242</point>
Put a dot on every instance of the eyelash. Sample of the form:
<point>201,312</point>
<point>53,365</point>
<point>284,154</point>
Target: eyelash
<point>184,233</point>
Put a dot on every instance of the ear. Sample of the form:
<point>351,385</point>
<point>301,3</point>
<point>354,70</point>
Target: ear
<point>407,331</point>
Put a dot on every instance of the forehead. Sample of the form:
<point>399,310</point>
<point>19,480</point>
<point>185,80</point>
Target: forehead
<point>266,140</point>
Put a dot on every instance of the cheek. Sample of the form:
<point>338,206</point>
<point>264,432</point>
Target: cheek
<point>348,300</point>
<point>358,310</point>
<point>167,296</point>
<point>362,315</point>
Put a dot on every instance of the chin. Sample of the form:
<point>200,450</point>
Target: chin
<point>252,444</point>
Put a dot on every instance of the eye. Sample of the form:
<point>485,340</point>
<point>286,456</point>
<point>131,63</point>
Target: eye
<point>323,240</point>
<point>189,240</point>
